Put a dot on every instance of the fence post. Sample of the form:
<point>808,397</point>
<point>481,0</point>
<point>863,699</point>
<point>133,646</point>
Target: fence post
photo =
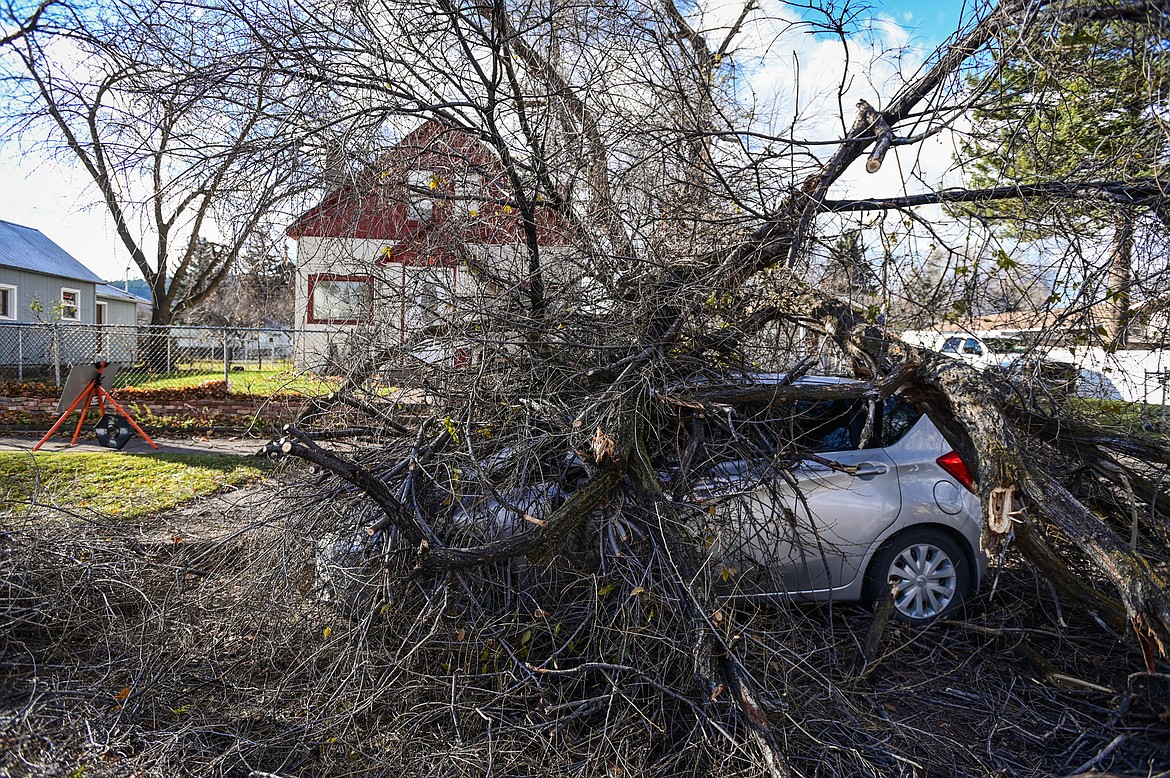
<point>170,351</point>
<point>227,380</point>
<point>56,347</point>
<point>20,354</point>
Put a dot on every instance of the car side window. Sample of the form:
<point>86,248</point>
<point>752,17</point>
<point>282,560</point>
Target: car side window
<point>794,427</point>
<point>972,347</point>
<point>952,345</point>
<point>898,416</point>
<point>827,425</point>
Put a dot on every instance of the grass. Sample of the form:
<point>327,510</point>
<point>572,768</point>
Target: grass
<point>126,485</point>
<point>1118,413</point>
<point>245,379</point>
<point>263,382</point>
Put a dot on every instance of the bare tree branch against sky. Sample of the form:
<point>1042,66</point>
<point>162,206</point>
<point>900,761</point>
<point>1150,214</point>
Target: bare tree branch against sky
<point>55,196</point>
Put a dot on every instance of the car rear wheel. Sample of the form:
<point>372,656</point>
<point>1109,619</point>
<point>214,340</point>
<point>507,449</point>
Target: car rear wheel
<point>930,570</point>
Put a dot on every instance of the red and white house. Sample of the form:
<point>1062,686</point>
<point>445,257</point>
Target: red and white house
<point>395,251</point>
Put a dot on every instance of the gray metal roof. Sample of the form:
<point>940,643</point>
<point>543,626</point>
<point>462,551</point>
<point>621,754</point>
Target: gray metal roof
<point>24,248</point>
<point>114,293</point>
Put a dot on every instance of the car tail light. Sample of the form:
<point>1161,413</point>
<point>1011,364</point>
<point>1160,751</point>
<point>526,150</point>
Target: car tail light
<point>956,468</point>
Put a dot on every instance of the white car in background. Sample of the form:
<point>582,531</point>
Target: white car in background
<point>965,346</point>
<point>1129,375</point>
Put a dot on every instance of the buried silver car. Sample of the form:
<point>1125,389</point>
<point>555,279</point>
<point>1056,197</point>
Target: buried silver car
<point>805,499</point>
<point>866,508</point>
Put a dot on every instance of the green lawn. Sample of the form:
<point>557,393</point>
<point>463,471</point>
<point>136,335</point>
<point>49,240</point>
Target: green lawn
<point>263,382</point>
<point>124,485</point>
<point>1117,414</point>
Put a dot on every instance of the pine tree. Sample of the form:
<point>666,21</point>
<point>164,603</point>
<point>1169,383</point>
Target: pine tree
<point>1083,104</point>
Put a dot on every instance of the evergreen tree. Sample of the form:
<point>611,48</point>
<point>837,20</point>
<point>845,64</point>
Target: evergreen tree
<point>1081,102</point>
<point>848,271</point>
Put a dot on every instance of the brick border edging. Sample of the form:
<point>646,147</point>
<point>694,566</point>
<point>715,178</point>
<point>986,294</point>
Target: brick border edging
<point>158,414</point>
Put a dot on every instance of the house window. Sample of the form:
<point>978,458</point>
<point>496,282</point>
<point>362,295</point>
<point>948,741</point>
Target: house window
<point>335,299</point>
<point>7,302</point>
<point>70,304</point>
<point>467,194</point>
<point>419,187</point>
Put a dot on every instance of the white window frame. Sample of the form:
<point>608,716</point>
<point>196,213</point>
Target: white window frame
<point>13,303</point>
<point>65,306</point>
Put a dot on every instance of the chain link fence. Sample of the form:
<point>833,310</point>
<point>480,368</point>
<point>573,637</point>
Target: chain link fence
<point>152,356</point>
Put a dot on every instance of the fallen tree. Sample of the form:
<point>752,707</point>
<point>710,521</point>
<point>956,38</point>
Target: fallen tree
<point>987,419</point>
<point>514,549</point>
<point>602,419</point>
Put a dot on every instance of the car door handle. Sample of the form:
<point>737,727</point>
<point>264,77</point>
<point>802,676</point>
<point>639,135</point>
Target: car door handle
<point>868,469</point>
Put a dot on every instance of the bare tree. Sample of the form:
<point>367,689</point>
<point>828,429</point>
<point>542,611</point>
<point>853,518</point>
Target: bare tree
<point>23,20</point>
<point>182,156</point>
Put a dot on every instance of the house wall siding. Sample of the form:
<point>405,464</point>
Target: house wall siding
<point>36,346</point>
<point>119,312</point>
<point>397,285</point>
<point>325,344</point>
<point>118,342</point>
<point>47,289</point>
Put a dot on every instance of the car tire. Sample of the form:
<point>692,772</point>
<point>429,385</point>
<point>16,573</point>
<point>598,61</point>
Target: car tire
<point>933,572</point>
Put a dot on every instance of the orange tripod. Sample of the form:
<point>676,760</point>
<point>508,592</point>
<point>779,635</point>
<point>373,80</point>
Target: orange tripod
<point>84,399</point>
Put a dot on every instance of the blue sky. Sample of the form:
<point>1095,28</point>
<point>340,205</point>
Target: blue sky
<point>931,20</point>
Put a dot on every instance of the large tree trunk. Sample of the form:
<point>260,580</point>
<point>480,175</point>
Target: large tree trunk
<point>157,354</point>
<point>1119,279</point>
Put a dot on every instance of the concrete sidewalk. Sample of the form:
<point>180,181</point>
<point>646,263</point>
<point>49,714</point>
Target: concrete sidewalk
<point>225,444</point>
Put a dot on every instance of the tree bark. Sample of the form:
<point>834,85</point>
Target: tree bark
<point>1119,279</point>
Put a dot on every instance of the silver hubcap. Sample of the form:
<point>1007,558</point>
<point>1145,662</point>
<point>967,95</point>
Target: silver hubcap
<point>926,581</point>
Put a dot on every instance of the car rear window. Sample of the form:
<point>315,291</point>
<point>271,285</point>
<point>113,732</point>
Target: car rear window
<point>898,416</point>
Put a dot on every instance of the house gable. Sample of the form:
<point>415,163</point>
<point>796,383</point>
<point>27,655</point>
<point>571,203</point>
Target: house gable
<point>436,181</point>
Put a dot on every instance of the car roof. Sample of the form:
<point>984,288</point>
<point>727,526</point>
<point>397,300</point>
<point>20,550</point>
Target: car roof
<point>763,380</point>
<point>776,378</point>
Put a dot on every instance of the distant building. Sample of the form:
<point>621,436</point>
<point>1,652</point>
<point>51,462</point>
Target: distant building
<point>41,282</point>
